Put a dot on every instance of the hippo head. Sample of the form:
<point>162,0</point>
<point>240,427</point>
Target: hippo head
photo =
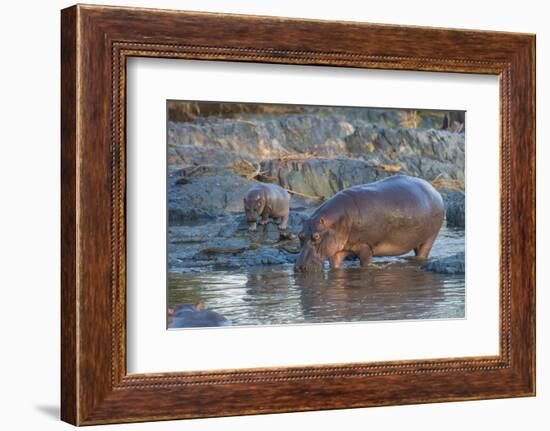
<point>319,242</point>
<point>254,204</point>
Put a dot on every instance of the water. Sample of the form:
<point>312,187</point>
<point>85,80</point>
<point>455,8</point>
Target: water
<point>390,289</point>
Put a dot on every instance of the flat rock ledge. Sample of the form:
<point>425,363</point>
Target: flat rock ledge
<point>447,265</point>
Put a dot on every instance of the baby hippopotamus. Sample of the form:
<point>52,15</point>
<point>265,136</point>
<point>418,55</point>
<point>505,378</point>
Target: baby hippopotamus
<point>267,200</point>
<point>389,217</point>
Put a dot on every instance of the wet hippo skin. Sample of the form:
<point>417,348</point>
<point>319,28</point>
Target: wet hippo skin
<point>386,218</point>
<point>267,200</point>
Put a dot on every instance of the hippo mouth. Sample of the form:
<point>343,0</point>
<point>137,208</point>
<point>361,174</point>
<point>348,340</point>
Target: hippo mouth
<point>308,260</point>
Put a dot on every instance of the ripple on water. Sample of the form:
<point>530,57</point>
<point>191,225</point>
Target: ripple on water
<point>390,289</point>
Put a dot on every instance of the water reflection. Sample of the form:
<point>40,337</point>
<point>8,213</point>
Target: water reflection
<point>387,291</point>
<point>392,289</point>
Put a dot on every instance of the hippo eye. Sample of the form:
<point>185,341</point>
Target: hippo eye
<point>315,236</point>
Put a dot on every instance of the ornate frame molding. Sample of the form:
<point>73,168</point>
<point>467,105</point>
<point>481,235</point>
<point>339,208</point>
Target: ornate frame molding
<point>96,41</point>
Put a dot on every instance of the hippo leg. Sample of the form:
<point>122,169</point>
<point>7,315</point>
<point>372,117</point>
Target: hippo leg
<point>337,258</point>
<point>264,220</point>
<point>365,254</point>
<point>283,222</point>
<point>423,250</point>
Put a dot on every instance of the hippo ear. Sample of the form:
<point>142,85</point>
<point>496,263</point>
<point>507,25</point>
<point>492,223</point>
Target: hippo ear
<point>322,221</point>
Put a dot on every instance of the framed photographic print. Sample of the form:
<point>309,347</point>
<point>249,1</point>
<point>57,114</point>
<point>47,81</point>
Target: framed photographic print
<point>263,215</point>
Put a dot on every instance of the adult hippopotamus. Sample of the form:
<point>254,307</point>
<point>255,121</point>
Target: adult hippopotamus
<point>267,200</point>
<point>389,217</point>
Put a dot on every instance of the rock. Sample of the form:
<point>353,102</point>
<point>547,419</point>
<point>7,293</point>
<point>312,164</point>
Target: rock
<point>296,219</point>
<point>314,151</point>
<point>217,248</point>
<point>182,181</point>
<point>426,153</point>
<point>286,236</point>
<point>222,250</point>
<point>178,214</point>
<point>264,256</point>
<point>454,201</point>
<point>207,196</point>
<point>340,134</point>
<point>238,249</point>
<point>220,139</point>
<point>447,265</point>
<point>235,226</point>
<point>321,177</point>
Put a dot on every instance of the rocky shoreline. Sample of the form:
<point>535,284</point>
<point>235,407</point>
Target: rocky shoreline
<point>213,161</point>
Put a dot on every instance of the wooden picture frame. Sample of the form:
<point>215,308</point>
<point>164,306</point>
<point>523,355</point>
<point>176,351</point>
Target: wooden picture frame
<point>95,43</point>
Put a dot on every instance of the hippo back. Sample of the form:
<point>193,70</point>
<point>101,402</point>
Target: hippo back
<point>399,194</point>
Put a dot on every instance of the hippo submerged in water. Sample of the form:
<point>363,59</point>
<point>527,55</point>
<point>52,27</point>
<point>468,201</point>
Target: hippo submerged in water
<point>267,200</point>
<point>195,316</point>
<point>387,218</point>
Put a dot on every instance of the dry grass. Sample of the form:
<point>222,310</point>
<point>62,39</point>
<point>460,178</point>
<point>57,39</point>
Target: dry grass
<point>247,169</point>
<point>447,183</point>
<point>409,119</point>
<point>311,197</point>
<point>194,169</point>
<point>388,168</point>
<point>284,156</point>
<point>252,171</point>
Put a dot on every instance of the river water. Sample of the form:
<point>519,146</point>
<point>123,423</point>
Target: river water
<point>392,288</point>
